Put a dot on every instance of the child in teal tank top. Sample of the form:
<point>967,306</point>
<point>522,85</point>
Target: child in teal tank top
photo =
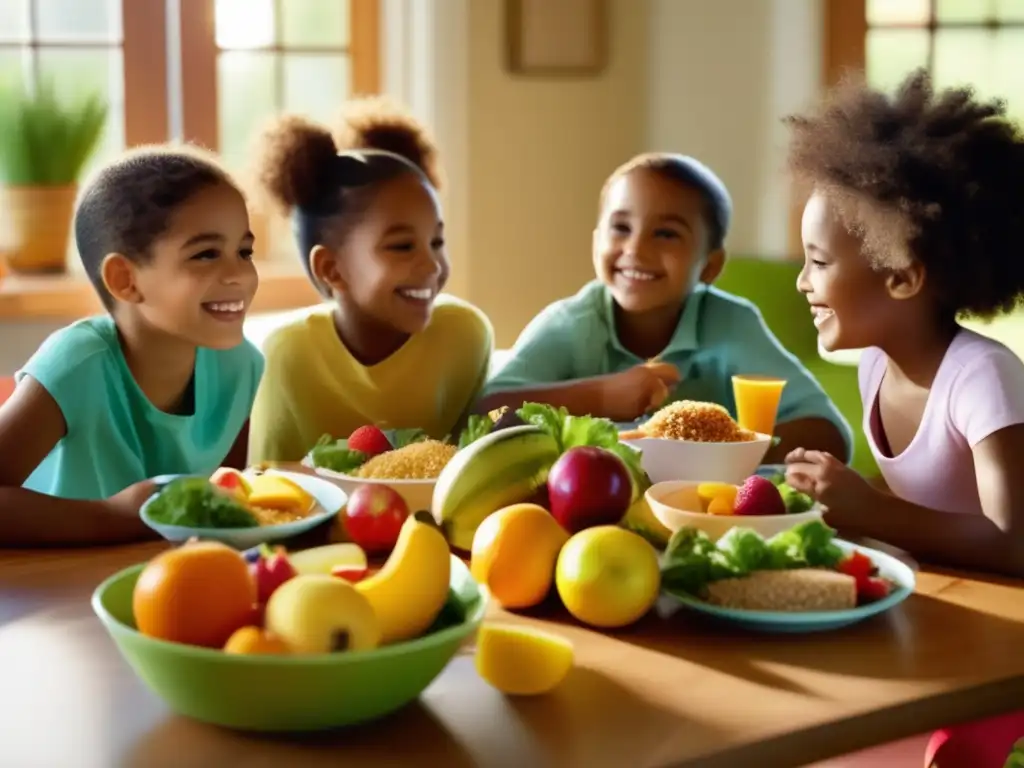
<point>163,384</point>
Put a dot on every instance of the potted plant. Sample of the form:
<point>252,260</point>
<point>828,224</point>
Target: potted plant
<point>45,143</point>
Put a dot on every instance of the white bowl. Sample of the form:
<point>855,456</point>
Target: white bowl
<point>418,494</point>
<point>664,459</point>
<point>676,505</point>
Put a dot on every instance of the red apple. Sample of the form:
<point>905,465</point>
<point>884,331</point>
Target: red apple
<point>588,487</point>
<point>374,516</point>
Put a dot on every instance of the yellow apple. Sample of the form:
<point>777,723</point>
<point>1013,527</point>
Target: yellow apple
<point>607,576</point>
<point>317,613</point>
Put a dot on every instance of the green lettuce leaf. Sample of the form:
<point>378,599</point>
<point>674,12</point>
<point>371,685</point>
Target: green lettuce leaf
<point>399,438</point>
<point>193,502</point>
<point>808,545</point>
<point>476,427</point>
<point>336,456</point>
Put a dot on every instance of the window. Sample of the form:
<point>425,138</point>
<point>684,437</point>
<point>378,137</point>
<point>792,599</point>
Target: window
<point>976,42</point>
<point>206,71</point>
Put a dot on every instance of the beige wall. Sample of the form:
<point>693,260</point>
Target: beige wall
<point>539,151</point>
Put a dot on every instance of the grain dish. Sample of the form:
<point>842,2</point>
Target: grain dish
<point>696,421</point>
<point>810,589</point>
<point>422,460</point>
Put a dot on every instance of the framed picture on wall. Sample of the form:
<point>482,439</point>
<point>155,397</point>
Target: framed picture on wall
<point>553,38</point>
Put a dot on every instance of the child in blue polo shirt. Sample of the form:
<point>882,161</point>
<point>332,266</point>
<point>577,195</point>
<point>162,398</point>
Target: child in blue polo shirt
<point>651,329</point>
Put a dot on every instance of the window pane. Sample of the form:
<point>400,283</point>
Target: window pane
<point>989,60</point>
<point>12,68</point>
<point>245,98</point>
<point>244,23</point>
<point>315,84</point>
<point>78,72</point>
<point>14,19</point>
<point>314,23</point>
<point>882,12</point>
<point>1010,10</point>
<point>891,54</point>
<point>78,20</point>
<point>964,10</point>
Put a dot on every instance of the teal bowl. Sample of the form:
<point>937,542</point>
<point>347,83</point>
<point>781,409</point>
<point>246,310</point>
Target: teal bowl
<point>288,693</point>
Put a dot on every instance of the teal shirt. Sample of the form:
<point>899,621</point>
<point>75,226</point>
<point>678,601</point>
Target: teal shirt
<point>718,335</point>
<point>115,435</point>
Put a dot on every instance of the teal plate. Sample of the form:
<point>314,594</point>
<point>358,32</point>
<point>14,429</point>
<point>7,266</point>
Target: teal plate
<point>329,497</point>
<point>815,621</point>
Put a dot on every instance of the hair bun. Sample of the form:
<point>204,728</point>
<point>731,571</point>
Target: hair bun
<point>379,123</point>
<point>295,162</point>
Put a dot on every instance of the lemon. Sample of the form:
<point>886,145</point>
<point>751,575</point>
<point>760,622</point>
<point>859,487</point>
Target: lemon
<point>520,660</point>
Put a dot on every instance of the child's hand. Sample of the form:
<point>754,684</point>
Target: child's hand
<point>128,502</point>
<point>824,478</point>
<point>628,395</point>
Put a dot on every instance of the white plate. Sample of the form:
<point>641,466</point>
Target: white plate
<point>814,621</point>
<point>329,500</point>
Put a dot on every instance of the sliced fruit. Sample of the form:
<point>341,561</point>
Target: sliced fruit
<point>254,640</point>
<point>708,492</point>
<point>271,491</point>
<point>500,469</point>
<point>720,505</point>
<point>522,661</point>
<point>325,559</point>
<point>410,590</point>
<point>230,479</point>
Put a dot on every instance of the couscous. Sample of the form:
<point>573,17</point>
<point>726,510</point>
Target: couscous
<point>421,460</point>
<point>696,421</point>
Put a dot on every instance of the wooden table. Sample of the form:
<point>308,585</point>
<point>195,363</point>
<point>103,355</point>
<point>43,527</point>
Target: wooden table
<point>673,691</point>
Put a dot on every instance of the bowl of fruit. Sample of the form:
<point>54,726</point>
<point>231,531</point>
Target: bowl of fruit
<point>241,509</point>
<point>292,642</point>
<point>766,505</point>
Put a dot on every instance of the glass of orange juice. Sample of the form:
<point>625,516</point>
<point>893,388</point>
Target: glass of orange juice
<point>757,401</point>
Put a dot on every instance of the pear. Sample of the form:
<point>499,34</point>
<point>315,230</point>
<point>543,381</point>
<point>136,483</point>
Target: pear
<point>318,613</point>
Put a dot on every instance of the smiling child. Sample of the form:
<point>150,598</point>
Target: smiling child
<point>657,247</point>
<point>388,348</point>
<point>160,384</point>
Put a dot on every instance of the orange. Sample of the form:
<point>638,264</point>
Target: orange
<point>514,554</point>
<point>709,491</point>
<point>197,594</point>
<point>253,640</point>
<point>521,660</point>
<point>720,505</point>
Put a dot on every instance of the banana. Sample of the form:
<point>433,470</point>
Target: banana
<point>408,593</point>
<point>503,468</point>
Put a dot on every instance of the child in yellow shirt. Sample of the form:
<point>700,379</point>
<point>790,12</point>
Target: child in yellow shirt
<point>388,348</point>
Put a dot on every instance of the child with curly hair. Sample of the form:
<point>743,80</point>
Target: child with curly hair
<point>162,383</point>
<point>915,220</point>
<point>651,328</point>
<point>388,349</point>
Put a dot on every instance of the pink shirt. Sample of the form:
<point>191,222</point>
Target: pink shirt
<point>978,390</point>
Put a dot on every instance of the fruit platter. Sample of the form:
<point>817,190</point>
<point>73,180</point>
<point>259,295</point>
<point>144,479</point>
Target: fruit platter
<point>242,509</point>
<point>292,641</point>
<point>802,579</point>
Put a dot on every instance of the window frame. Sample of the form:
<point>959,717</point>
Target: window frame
<point>148,63</point>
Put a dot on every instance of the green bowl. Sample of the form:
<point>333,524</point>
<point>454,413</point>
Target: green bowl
<point>287,693</point>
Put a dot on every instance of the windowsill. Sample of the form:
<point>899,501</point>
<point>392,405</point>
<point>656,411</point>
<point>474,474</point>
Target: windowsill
<point>71,297</point>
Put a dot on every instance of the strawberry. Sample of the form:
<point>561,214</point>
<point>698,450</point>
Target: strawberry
<point>858,565</point>
<point>758,496</point>
<point>369,440</point>
<point>871,589</point>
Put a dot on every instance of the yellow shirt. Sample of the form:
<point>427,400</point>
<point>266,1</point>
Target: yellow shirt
<point>313,385</point>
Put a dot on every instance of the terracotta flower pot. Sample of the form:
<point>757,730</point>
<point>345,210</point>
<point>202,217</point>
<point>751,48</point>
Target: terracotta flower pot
<point>37,225</point>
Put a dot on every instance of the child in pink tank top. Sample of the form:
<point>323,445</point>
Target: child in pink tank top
<point>916,218</point>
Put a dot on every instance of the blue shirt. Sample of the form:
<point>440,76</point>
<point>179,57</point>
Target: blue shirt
<point>115,435</point>
<point>718,335</point>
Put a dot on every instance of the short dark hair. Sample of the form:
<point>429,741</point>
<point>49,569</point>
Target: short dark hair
<point>689,172</point>
<point>325,182</point>
<point>936,177</point>
<point>128,204</point>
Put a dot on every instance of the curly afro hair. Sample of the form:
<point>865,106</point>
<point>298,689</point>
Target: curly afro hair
<point>326,180</point>
<point>919,174</point>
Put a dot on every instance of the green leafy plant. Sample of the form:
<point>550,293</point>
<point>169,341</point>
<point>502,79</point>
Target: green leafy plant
<point>46,140</point>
